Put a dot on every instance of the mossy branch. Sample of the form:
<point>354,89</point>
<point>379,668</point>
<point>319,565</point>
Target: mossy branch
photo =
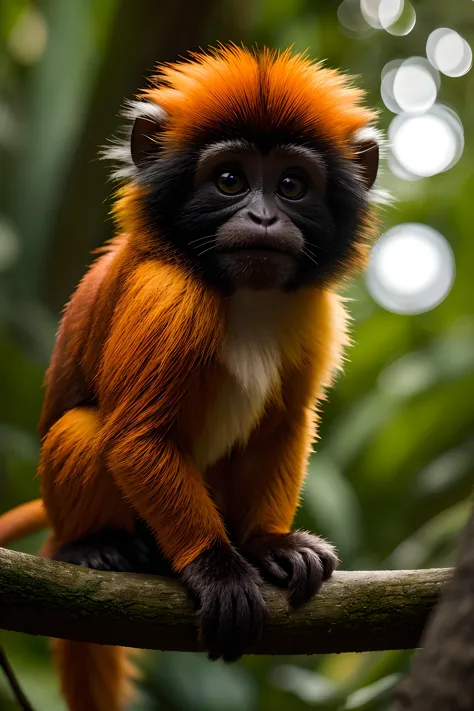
<point>353,612</point>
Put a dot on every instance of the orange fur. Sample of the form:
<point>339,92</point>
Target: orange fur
<point>145,344</point>
<point>24,519</point>
<point>93,677</point>
<point>260,486</point>
<point>214,88</point>
<point>143,382</point>
<point>78,491</point>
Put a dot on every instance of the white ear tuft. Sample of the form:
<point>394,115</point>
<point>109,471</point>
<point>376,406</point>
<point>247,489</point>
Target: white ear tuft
<point>370,146</point>
<point>143,109</point>
<point>144,120</point>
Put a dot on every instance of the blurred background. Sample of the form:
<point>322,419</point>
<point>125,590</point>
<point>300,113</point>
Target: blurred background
<point>394,469</point>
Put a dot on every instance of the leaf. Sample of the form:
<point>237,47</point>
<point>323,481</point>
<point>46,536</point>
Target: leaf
<point>309,686</point>
<point>333,505</point>
<point>367,696</point>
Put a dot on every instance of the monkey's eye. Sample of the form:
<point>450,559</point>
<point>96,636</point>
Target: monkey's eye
<point>292,187</point>
<point>231,182</point>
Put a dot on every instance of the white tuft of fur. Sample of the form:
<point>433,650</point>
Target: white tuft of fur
<point>252,357</point>
<point>118,152</point>
<point>377,194</point>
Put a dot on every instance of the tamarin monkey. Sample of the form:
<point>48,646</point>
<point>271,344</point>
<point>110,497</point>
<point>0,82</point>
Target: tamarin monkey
<point>182,397</point>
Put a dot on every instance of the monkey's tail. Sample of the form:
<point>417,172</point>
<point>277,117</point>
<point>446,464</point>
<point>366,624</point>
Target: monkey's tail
<point>22,520</point>
<point>94,677</point>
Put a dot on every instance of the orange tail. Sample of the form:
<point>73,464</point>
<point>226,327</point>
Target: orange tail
<point>94,677</point>
<point>25,519</point>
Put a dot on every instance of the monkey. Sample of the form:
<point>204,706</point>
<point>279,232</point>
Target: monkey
<point>184,391</point>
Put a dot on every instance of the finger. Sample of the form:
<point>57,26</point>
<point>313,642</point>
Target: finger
<point>307,577</point>
<point>273,571</point>
<point>209,622</point>
<point>314,572</point>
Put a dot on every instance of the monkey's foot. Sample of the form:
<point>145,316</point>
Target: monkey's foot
<point>232,609</point>
<point>299,561</point>
<point>113,549</point>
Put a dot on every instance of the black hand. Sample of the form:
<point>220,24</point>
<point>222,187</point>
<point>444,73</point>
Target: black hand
<point>299,561</point>
<point>232,609</point>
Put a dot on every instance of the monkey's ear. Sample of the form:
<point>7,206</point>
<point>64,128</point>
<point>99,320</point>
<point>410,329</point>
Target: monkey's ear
<point>149,122</point>
<point>367,157</point>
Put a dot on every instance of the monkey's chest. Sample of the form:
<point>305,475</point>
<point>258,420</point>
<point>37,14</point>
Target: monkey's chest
<point>250,375</point>
<point>229,419</point>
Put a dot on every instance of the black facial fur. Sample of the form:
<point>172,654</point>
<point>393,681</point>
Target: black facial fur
<point>191,217</point>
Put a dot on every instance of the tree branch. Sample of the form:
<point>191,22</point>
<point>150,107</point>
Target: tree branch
<point>353,612</point>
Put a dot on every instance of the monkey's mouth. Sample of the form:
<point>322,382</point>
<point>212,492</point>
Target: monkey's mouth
<point>256,251</point>
<point>261,249</point>
<point>257,266</point>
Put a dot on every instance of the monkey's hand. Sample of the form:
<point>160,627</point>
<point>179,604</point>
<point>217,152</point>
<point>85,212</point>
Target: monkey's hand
<point>232,609</point>
<point>299,561</point>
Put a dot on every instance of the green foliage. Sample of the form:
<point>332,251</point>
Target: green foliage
<point>395,461</point>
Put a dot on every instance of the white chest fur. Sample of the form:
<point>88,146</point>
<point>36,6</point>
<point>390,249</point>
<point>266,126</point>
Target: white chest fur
<point>252,357</point>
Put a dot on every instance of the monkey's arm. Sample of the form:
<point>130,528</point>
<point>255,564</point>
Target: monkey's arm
<point>163,330</point>
<point>275,462</point>
<point>277,455</point>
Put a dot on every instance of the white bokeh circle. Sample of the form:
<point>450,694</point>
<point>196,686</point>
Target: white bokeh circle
<point>449,52</point>
<point>411,269</point>
<point>398,20</point>
<point>409,85</point>
<point>427,144</point>
<point>370,13</point>
<point>389,11</point>
<point>352,20</point>
<point>415,85</point>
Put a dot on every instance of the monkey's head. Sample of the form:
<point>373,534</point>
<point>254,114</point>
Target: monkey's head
<point>256,168</point>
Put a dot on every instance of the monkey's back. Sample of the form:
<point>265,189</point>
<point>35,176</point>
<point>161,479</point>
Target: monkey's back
<point>82,330</point>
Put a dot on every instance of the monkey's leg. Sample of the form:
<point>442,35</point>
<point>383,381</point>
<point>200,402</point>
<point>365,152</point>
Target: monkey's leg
<point>163,485</point>
<point>93,526</point>
<point>275,466</point>
<point>81,498</point>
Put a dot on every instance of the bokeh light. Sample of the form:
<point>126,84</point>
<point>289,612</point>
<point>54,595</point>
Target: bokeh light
<point>389,12</point>
<point>397,17</point>
<point>411,269</point>
<point>427,144</point>
<point>414,85</point>
<point>360,17</point>
<point>28,38</point>
<point>370,13</point>
<point>389,73</point>
<point>352,20</point>
<point>449,52</point>
<point>409,85</point>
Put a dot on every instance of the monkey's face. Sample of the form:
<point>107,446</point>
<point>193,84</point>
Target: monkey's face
<point>280,218</point>
<point>256,167</point>
<point>262,217</point>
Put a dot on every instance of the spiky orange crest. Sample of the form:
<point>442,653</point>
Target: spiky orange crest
<point>267,93</point>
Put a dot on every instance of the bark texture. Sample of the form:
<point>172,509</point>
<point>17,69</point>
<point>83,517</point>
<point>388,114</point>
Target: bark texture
<point>353,612</point>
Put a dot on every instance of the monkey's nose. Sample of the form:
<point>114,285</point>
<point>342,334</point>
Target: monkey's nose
<point>262,218</point>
